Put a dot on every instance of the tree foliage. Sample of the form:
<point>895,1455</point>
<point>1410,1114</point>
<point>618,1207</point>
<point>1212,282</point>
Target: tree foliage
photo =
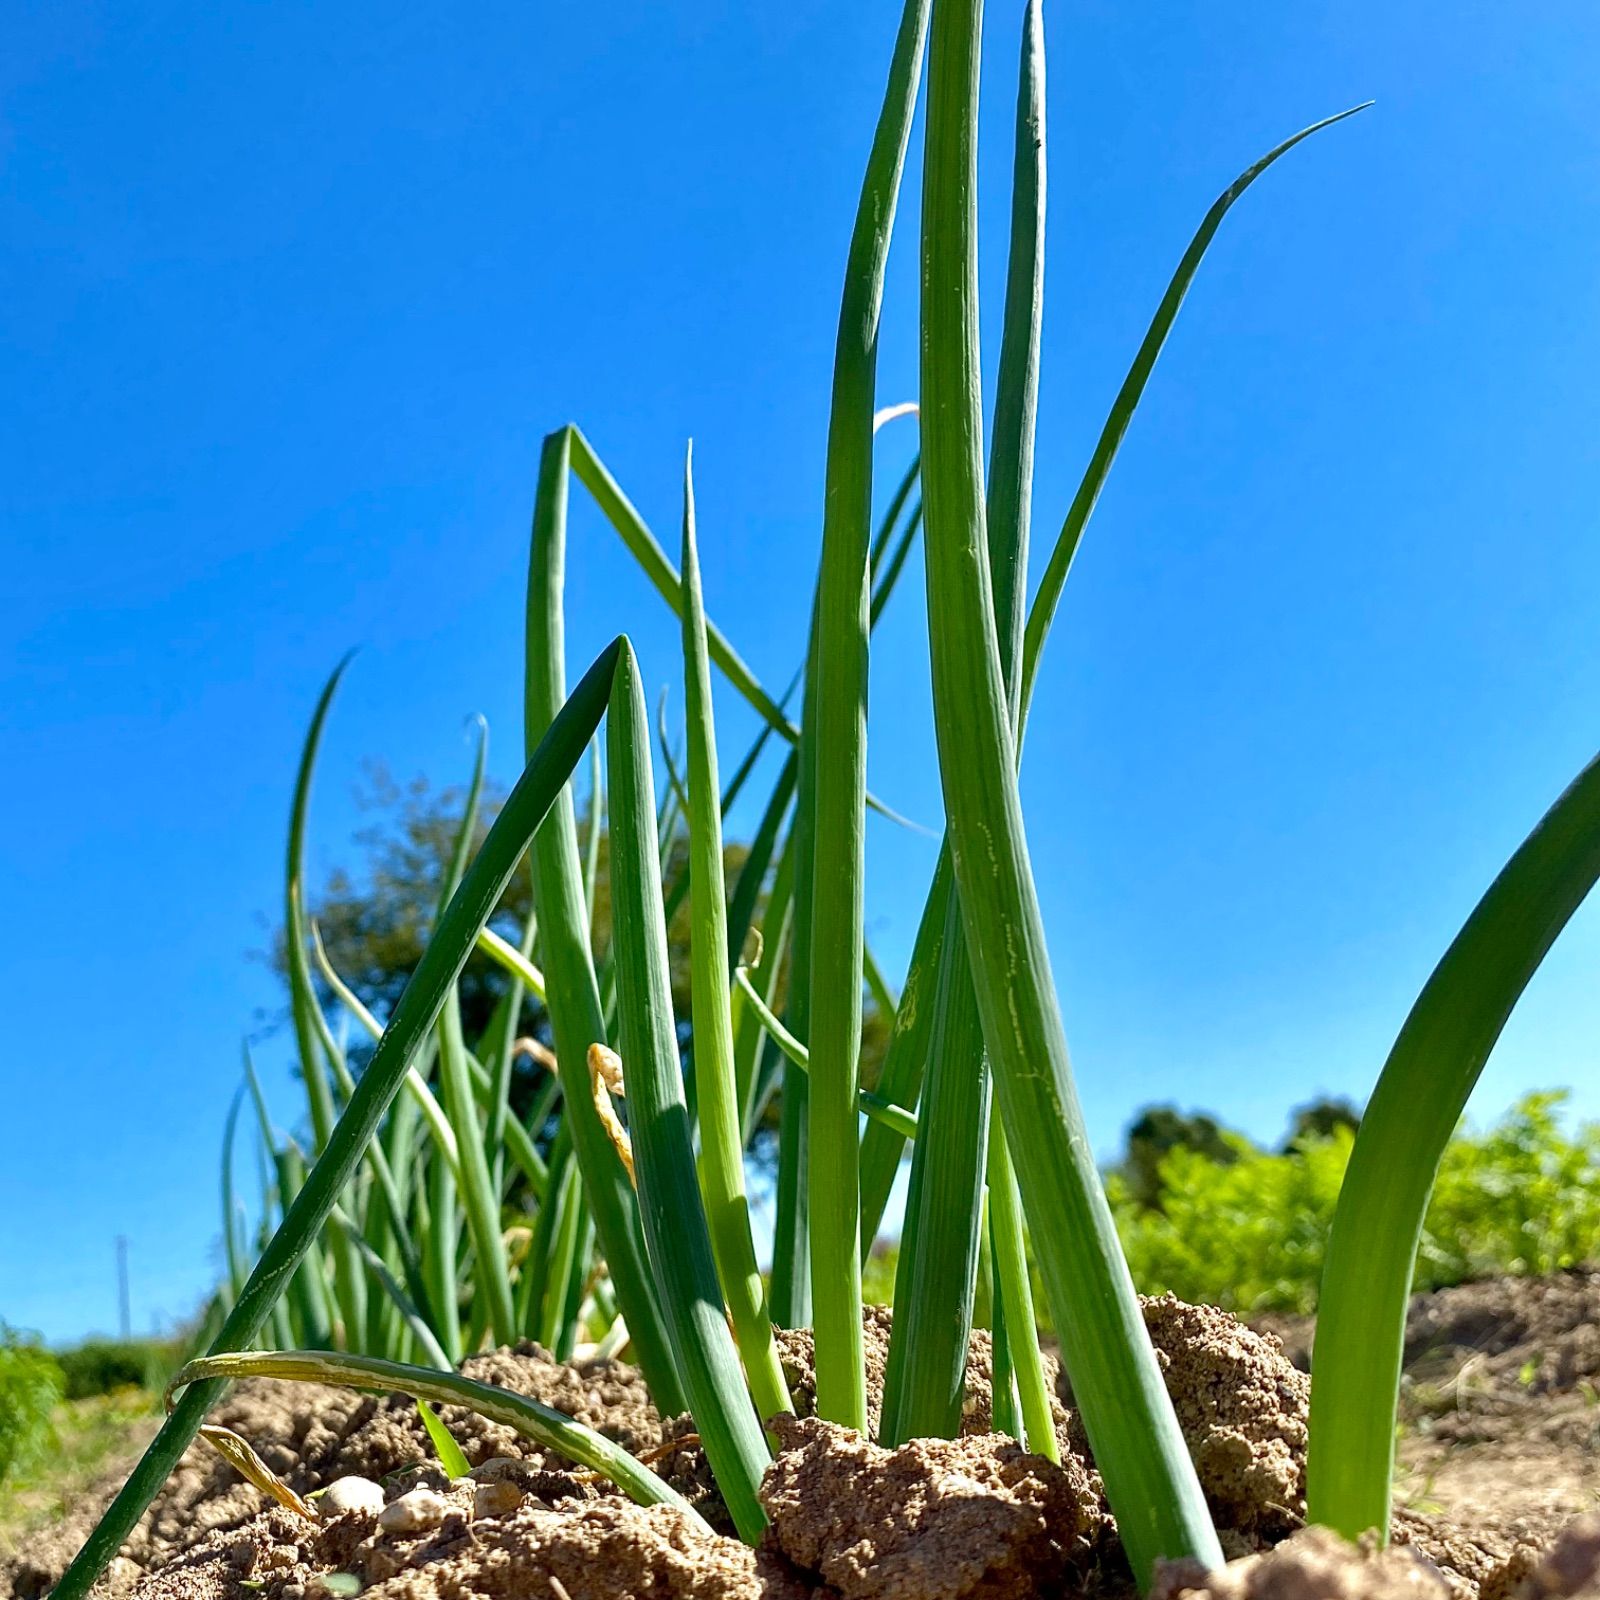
<point>375,912</point>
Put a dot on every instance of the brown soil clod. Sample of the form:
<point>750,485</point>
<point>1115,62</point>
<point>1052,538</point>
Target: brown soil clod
<point>937,1519</point>
<point>1571,1567</point>
<point>1312,1565</point>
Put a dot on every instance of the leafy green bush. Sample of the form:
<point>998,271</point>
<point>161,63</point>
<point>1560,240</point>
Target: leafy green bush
<point>1249,1234</point>
<point>102,1366</point>
<point>30,1387</point>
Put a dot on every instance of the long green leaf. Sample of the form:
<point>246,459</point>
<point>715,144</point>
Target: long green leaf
<point>230,1222</point>
<point>721,1147</point>
<point>480,1194</point>
<point>833,785</point>
<point>451,1456</point>
<point>1150,1480</point>
<point>674,1219</point>
<point>924,1381</point>
<point>1042,612</point>
<point>548,1428</point>
<point>870,1104</point>
<point>572,991</point>
<point>549,767</point>
<point>942,1240</point>
<point>1421,1093</point>
<point>308,1298</point>
<point>409,1311</point>
<point>310,1027</point>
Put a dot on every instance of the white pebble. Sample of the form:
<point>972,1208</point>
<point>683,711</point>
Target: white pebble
<point>345,1495</point>
<point>413,1512</point>
<point>496,1499</point>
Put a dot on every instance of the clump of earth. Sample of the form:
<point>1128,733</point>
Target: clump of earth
<point>1499,1458</point>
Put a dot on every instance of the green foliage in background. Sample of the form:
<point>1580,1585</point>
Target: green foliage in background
<point>30,1388</point>
<point>1250,1232</point>
<point>103,1366</point>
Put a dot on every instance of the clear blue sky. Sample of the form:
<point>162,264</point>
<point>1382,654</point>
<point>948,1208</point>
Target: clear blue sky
<point>289,294</point>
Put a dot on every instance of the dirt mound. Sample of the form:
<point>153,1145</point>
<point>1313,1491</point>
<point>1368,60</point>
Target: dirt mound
<point>1313,1565</point>
<point>1571,1567</point>
<point>1242,1407</point>
<point>937,1519</point>
<point>797,1355</point>
<point>438,1541</point>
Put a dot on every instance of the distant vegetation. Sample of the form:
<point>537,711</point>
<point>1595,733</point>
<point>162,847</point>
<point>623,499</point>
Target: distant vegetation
<point>1246,1228</point>
<point>103,1366</point>
<point>31,1385</point>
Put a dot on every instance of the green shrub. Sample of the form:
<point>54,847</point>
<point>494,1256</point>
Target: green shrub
<point>1249,1234</point>
<point>30,1387</point>
<point>102,1366</point>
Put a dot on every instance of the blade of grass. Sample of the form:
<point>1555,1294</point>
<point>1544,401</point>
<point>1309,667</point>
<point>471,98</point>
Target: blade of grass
<point>834,789</point>
<point>1042,612</point>
<point>886,526</point>
<point>924,1380</point>
<point>870,1104</point>
<point>451,1457</point>
<point>1150,1480</point>
<point>941,1245</point>
<point>675,1223</point>
<point>1005,1407</point>
<point>501,1039</point>
<point>230,1205</point>
<point>376,1158</point>
<point>721,1147</point>
<point>594,831</point>
<point>416,1085</point>
<point>548,769</point>
<point>592,473</point>
<point>883,589</point>
<point>1014,1300</point>
<point>906,1061</point>
<point>878,985</point>
<point>479,1192</point>
<point>390,1285</point>
<point>305,1013</point>
<point>572,992</point>
<point>1009,510</point>
<point>302,994</point>
<point>566,1228</point>
<point>1421,1094</point>
<point>752,1045</point>
<point>753,871</point>
<point>309,1294</point>
<point>549,1429</point>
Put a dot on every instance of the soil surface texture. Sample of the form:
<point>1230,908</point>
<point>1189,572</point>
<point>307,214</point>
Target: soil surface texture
<point>1501,1453</point>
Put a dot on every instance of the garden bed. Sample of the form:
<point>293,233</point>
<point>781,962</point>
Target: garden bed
<point>1498,1456</point>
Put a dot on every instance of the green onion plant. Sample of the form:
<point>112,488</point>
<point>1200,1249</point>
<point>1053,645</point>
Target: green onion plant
<point>417,1212</point>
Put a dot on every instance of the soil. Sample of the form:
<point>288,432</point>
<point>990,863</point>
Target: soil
<point>1501,1452</point>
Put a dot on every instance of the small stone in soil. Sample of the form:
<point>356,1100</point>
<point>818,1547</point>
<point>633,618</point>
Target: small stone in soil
<point>414,1512</point>
<point>346,1495</point>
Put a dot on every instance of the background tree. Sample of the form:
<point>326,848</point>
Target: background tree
<point>1319,1119</point>
<point>374,914</point>
<point>1160,1129</point>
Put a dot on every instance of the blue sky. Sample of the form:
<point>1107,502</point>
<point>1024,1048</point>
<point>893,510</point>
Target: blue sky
<point>289,294</point>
